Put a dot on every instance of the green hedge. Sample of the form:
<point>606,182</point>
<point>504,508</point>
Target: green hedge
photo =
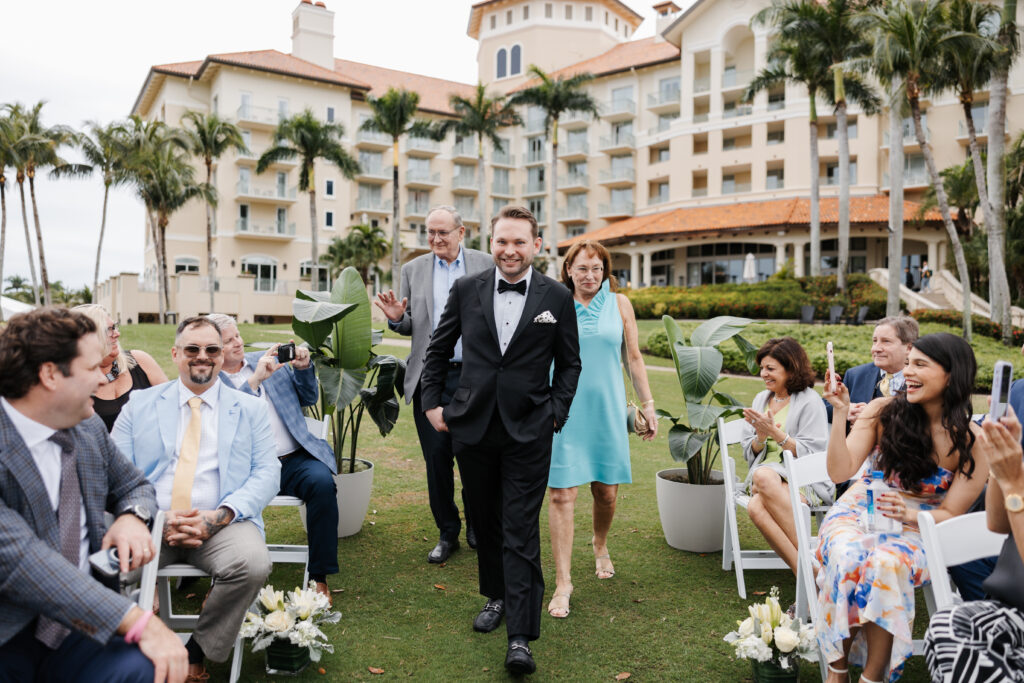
<point>773,298</point>
<point>980,324</point>
<point>852,347</point>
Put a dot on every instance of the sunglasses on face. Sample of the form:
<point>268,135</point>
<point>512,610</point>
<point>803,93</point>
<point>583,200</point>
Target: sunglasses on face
<point>192,350</point>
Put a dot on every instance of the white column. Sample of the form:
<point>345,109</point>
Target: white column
<point>634,270</point>
<point>717,67</point>
<point>647,267</point>
<point>933,255</point>
<point>760,61</point>
<point>798,258</point>
<point>780,255</point>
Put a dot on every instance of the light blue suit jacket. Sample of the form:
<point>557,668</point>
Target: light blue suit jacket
<point>289,390</point>
<point>250,473</point>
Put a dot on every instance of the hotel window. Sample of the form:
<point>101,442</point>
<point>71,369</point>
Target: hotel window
<point>549,10</point>
<point>282,184</point>
<point>323,274</point>
<point>616,24</point>
<point>282,221</point>
<point>659,154</point>
<point>605,18</point>
<point>497,204</point>
<point>329,188</point>
<point>244,176</point>
<point>659,192</point>
<point>776,137</point>
<point>515,63</point>
<point>329,220</point>
<point>499,181</point>
<point>526,12</point>
<point>577,230</point>
<point>282,108</point>
<point>588,13</point>
<point>568,12</point>
<point>330,114</point>
<point>832,173</point>
<point>776,179</point>
<point>577,169</point>
<point>244,104</point>
<point>247,139</point>
<point>419,202</point>
<point>777,99</point>
<point>508,17</point>
<point>265,270</point>
<point>501,69</point>
<point>621,196</point>
<point>216,104</point>
<point>242,225</point>
<point>535,149</point>
<point>494,21</point>
<point>186,264</point>
<point>851,130</point>
<point>536,207</point>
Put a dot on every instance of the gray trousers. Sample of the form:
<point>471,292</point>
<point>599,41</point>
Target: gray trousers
<point>237,559</point>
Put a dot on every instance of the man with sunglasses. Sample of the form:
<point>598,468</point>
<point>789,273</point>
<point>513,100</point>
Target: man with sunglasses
<point>424,286</point>
<point>210,454</point>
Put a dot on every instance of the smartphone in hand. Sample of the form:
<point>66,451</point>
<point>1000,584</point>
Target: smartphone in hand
<point>1002,377</point>
<point>286,352</point>
<point>831,368</point>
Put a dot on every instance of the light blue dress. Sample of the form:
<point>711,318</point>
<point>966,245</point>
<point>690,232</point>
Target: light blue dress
<point>593,445</point>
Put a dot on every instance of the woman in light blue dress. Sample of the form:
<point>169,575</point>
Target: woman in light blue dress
<point>593,446</point>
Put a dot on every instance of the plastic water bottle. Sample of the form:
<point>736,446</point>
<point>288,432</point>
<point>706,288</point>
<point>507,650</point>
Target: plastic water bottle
<point>878,522</point>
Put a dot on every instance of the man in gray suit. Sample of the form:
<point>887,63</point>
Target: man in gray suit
<point>425,284</point>
<point>59,473</point>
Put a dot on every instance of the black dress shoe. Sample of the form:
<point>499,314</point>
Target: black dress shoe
<point>490,616</point>
<point>519,659</point>
<point>442,551</point>
<point>471,537</point>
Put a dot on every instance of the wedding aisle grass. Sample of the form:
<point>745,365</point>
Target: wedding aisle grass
<point>661,618</point>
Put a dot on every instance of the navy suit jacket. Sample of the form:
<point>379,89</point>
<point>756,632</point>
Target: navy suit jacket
<point>34,577</point>
<point>289,390</point>
<point>862,383</point>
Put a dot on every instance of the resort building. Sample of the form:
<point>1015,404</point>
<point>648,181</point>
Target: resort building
<point>678,175</point>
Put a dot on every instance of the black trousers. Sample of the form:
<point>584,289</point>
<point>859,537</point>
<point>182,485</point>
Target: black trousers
<point>506,481</point>
<point>440,463</point>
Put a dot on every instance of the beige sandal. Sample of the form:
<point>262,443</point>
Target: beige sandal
<point>559,611</point>
<point>603,572</point>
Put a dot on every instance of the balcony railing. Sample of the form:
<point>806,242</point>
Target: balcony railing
<point>466,181</point>
<point>617,209</point>
<point>618,106</point>
<point>503,158</point>
<point>980,128</point>
<point>535,156</point>
<point>622,140</point>
<point>574,180</point>
<point>656,199</point>
<point>735,188</point>
<point>503,188</point>
<point>373,137</point>
<point>663,99</point>
<point>373,204</point>
<point>422,177</point>
<point>699,192</point>
<point>249,189</point>
<point>736,78</point>
<point>611,175</point>
<point>534,187</point>
<point>740,110</point>
<point>701,85</point>
<point>573,148</point>
<point>701,117</point>
<point>535,124</point>
<point>910,178</point>
<point>377,171</point>
<point>422,145</point>
<point>417,209</point>
<point>465,148</point>
<point>775,105</point>
<point>663,125</point>
<point>573,117</point>
<point>909,135</point>
<point>249,227</point>
<point>573,213</point>
<point>252,114</point>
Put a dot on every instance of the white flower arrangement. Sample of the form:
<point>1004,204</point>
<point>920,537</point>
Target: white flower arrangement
<point>295,618</point>
<point>769,634</point>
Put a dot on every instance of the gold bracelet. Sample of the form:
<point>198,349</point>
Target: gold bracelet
<point>649,402</point>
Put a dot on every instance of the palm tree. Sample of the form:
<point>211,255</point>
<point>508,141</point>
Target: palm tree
<point>362,248</point>
<point>394,114</point>
<point>39,150</point>
<point>16,140</point>
<point>795,60</point>
<point>104,149</point>
<point>209,137</point>
<point>16,284</point>
<point>305,137</point>
<point>914,35</point>
<point>5,161</point>
<point>480,117</point>
<point>556,96</point>
<point>830,26</point>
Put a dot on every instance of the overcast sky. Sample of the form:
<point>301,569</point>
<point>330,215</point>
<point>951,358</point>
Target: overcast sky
<point>88,60</point>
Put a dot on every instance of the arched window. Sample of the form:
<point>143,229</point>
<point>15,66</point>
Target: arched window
<point>515,63</point>
<point>265,270</point>
<point>502,57</point>
<point>186,264</point>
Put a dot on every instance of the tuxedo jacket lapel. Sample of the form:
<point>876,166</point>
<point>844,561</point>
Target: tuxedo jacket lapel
<point>485,289</point>
<point>538,288</point>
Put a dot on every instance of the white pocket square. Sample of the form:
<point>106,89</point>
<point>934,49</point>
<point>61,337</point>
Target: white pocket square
<point>545,317</point>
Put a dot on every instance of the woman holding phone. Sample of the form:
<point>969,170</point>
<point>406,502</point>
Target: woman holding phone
<point>787,416</point>
<point>925,444</point>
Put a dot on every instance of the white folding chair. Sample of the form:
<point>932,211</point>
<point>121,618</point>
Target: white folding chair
<point>957,540</point>
<point>155,578</point>
<point>809,469</point>
<point>731,433</point>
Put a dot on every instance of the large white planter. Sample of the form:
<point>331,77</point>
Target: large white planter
<point>353,499</point>
<point>692,517</point>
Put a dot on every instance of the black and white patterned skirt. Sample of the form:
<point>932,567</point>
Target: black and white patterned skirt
<point>976,642</point>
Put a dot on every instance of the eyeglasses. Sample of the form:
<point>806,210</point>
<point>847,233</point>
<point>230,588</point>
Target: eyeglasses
<point>583,270</point>
<point>443,234</point>
<point>192,350</point>
<point>112,329</point>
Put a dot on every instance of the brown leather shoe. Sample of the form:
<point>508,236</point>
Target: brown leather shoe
<point>321,587</point>
<point>197,676</point>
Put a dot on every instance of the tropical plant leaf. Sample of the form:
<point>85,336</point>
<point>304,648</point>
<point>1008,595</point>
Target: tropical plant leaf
<point>702,416</point>
<point>675,335</point>
<point>660,412</point>
<point>309,295</point>
<point>352,340</point>
<point>339,386</point>
<point>684,443</point>
<point>749,352</point>
<point>376,337</point>
<point>717,330</point>
<point>697,368</point>
<point>314,321</point>
<point>725,399</point>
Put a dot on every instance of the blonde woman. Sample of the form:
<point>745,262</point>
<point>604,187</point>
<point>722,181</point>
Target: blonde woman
<point>593,446</point>
<point>125,370</point>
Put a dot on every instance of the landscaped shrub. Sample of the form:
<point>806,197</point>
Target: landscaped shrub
<point>980,324</point>
<point>773,298</point>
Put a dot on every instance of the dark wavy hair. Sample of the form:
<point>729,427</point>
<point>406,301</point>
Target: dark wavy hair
<point>906,444</point>
<point>793,359</point>
<point>45,335</point>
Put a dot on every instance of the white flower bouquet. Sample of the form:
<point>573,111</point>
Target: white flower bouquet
<point>771,635</point>
<point>295,618</point>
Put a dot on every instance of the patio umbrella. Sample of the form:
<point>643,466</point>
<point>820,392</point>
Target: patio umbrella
<point>750,269</point>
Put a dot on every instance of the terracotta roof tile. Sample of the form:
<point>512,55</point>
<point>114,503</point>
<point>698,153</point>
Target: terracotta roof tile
<point>745,215</point>
<point>279,62</point>
<point>434,92</point>
<point>633,54</point>
<point>180,68</point>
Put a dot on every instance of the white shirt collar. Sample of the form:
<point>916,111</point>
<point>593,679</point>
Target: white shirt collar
<point>31,432</point>
<point>209,397</point>
<point>498,276</point>
<point>458,260</point>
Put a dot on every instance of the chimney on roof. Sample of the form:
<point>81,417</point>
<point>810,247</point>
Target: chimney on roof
<point>313,33</point>
<point>667,12</point>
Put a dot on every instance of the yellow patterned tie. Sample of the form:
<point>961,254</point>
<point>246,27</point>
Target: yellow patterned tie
<point>185,474</point>
<point>885,386</point>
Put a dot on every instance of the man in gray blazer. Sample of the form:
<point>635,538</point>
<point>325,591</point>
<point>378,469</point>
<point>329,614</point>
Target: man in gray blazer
<point>59,473</point>
<point>425,282</point>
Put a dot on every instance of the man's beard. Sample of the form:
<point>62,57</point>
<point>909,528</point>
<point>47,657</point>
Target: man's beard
<point>194,370</point>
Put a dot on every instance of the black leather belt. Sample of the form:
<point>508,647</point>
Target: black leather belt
<point>288,455</point>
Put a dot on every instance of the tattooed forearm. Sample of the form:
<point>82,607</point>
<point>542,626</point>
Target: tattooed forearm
<point>216,520</point>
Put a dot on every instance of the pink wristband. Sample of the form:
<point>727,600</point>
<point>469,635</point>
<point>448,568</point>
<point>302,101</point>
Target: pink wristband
<point>134,634</point>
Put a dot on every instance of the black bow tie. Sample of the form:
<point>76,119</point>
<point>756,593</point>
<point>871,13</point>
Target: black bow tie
<point>519,287</point>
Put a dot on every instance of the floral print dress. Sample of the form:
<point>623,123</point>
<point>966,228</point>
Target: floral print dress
<point>867,577</point>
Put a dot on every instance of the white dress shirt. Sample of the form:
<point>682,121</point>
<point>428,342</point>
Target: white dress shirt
<point>282,437</point>
<point>896,382</point>
<point>445,275</point>
<point>206,485</point>
<point>46,455</point>
<point>508,308</point>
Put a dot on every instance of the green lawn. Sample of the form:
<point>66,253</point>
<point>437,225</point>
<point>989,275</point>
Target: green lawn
<point>661,618</point>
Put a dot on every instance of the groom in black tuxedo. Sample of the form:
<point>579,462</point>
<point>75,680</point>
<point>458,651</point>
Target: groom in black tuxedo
<point>513,322</point>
